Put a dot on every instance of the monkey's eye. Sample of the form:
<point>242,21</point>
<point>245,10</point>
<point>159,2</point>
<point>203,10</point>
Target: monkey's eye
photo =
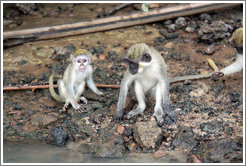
<point>79,61</point>
<point>146,57</point>
<point>84,60</point>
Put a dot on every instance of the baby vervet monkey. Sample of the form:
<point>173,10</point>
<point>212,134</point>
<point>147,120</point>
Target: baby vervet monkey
<point>236,41</point>
<point>72,85</point>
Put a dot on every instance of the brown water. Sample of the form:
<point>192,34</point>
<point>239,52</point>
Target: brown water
<point>15,152</point>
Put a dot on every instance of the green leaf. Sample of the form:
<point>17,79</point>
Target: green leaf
<point>145,7</point>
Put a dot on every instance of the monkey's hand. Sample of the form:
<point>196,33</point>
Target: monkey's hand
<point>217,75</point>
<point>118,116</point>
<point>82,99</point>
<point>78,108</point>
<point>137,111</point>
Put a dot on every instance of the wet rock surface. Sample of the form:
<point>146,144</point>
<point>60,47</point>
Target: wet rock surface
<point>210,112</point>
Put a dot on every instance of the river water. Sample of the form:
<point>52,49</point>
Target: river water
<point>16,152</point>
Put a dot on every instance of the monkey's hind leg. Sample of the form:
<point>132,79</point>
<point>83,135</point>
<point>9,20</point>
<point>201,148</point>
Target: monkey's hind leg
<point>141,103</point>
<point>159,113</point>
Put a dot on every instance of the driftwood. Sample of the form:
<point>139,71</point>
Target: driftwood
<point>47,86</point>
<point>112,22</point>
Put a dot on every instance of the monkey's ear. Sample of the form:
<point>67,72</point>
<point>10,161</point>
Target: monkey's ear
<point>72,57</point>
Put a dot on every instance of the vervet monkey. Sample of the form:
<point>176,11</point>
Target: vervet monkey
<point>236,41</point>
<point>148,71</point>
<point>72,85</point>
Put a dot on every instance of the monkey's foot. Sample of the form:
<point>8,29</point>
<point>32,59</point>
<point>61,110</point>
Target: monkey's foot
<point>171,115</point>
<point>65,106</point>
<point>83,99</point>
<point>168,120</point>
<point>137,111</point>
<point>217,75</point>
<point>159,117</point>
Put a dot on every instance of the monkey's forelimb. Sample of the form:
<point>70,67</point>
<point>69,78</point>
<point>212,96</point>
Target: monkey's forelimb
<point>52,90</point>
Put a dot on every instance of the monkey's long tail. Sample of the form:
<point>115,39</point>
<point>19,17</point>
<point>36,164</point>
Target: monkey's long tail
<point>189,77</point>
<point>52,90</point>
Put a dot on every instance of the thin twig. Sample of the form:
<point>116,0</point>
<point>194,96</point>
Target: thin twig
<point>47,86</point>
<point>119,7</point>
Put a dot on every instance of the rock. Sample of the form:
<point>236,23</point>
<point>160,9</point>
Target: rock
<point>58,136</point>
<point>27,8</point>
<point>180,22</point>
<point>189,29</point>
<point>169,45</point>
<point>215,31</point>
<point>234,97</point>
<point>171,28</point>
<point>49,118</point>
<point>120,129</point>
<point>114,147</point>
<point>215,127</point>
<point>97,116</point>
<point>197,92</point>
<point>96,50</point>
<point>109,143</point>
<point>205,16</point>
<point>132,146</point>
<point>112,110</point>
<point>185,138</point>
<point>210,50</point>
<point>62,53</point>
<point>168,35</point>
<point>148,32</point>
<point>167,22</point>
<point>218,150</point>
<point>148,134</point>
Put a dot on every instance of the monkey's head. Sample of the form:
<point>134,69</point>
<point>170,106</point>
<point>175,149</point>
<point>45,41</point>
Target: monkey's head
<point>237,39</point>
<point>81,58</point>
<point>138,58</point>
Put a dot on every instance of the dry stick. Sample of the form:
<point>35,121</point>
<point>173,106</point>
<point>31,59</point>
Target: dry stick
<point>55,86</point>
<point>116,21</point>
<point>119,7</point>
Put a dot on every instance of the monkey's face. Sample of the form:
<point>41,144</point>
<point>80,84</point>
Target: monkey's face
<point>139,67</point>
<point>81,62</point>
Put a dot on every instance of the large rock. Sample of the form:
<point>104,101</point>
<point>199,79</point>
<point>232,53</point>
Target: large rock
<point>185,139</point>
<point>219,150</point>
<point>148,135</point>
<point>109,143</point>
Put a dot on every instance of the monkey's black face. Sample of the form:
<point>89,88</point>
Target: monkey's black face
<point>146,57</point>
<point>133,67</point>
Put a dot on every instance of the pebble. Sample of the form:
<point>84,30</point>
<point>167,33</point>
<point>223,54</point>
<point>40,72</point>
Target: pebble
<point>120,129</point>
<point>205,16</point>
<point>210,50</point>
<point>189,29</point>
<point>180,22</point>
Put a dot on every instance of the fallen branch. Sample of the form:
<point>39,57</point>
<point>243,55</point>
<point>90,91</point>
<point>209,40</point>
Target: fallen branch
<point>47,86</point>
<point>112,22</point>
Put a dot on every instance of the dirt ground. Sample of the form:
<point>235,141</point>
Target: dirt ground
<point>198,103</point>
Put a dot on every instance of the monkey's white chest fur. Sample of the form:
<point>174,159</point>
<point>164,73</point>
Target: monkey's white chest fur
<point>147,78</point>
